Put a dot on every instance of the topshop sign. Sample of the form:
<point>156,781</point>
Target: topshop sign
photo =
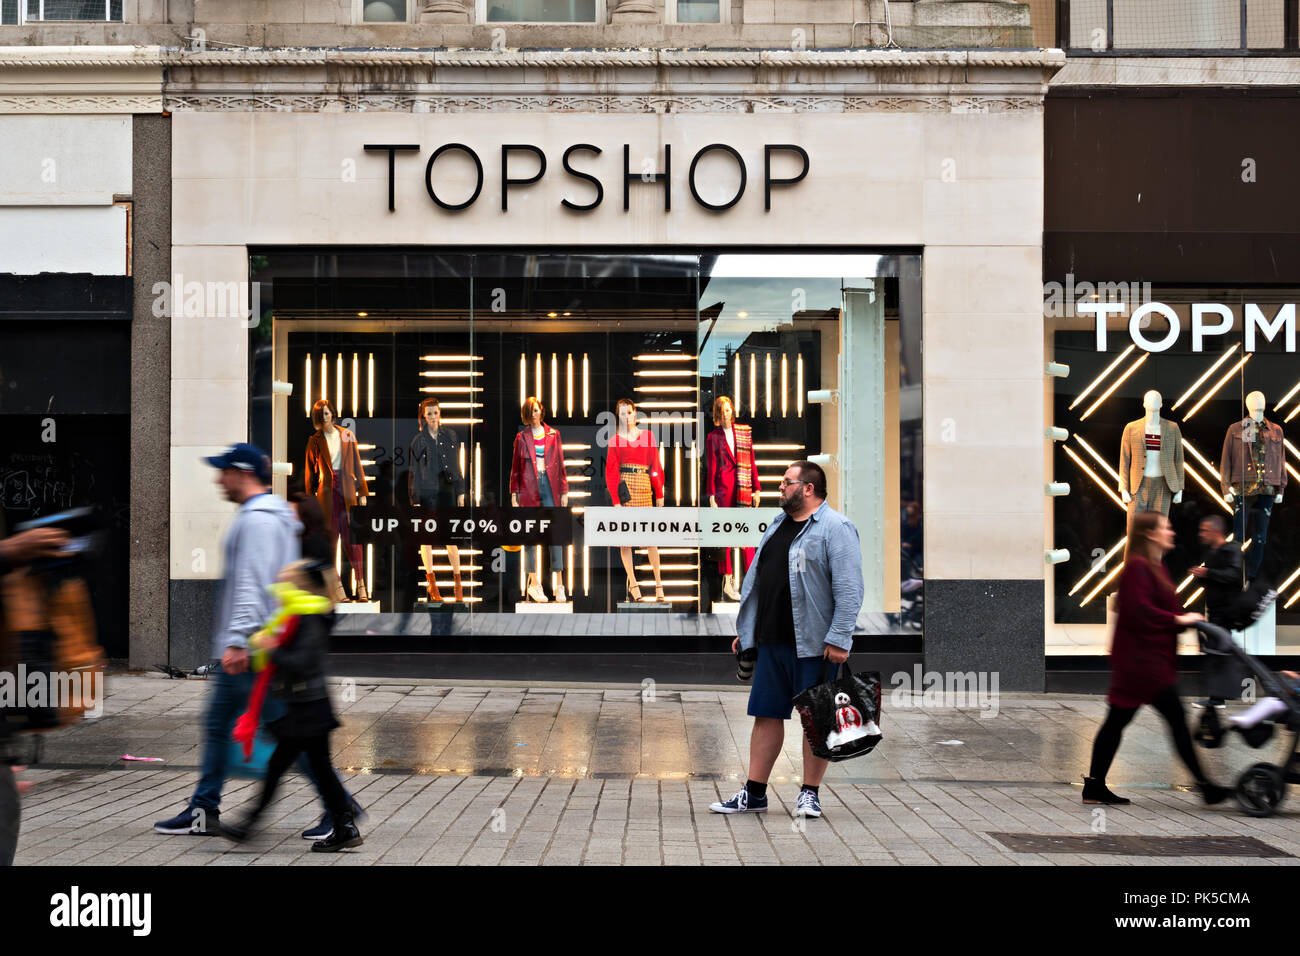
<point>522,164</point>
<point>1208,319</point>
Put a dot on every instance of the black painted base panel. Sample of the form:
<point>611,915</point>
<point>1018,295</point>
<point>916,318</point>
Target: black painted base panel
<point>550,667</point>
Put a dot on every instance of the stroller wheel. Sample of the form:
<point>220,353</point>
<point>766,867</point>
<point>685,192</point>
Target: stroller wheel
<point>1260,789</point>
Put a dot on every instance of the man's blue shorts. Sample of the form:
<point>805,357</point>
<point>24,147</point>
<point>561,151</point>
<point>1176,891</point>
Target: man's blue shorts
<point>778,676</point>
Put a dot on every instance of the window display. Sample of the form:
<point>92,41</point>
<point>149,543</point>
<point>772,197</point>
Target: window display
<point>670,391</point>
<point>1210,441</point>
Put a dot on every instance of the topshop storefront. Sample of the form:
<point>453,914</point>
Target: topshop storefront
<point>543,358</point>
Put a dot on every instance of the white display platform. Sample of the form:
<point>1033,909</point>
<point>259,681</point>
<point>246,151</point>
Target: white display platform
<point>726,607</point>
<point>1260,637</point>
<point>532,607</point>
<point>357,607</point>
<point>645,607</point>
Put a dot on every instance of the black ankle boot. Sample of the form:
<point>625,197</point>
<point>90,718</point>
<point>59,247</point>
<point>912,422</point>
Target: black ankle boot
<point>1094,791</point>
<point>345,834</point>
<point>1212,793</point>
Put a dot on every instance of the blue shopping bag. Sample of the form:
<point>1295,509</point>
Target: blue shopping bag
<point>254,768</point>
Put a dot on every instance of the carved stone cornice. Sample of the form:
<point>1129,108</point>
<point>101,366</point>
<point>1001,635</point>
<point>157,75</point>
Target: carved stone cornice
<point>399,102</point>
<point>81,80</point>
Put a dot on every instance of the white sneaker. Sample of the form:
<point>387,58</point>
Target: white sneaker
<point>536,594</point>
<point>729,590</point>
<point>560,596</point>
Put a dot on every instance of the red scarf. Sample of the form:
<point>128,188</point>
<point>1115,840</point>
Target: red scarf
<point>744,464</point>
<point>246,726</point>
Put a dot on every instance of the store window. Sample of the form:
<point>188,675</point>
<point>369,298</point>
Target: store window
<point>35,11</point>
<point>541,11</point>
<point>1195,418</point>
<point>499,410</point>
<point>1206,25</point>
<point>699,11</point>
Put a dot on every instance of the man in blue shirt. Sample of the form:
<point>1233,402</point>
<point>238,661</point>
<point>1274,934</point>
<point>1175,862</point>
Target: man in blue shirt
<point>798,606</point>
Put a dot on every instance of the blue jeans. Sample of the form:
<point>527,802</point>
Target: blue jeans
<point>226,701</point>
<point>557,552</point>
<point>1242,508</point>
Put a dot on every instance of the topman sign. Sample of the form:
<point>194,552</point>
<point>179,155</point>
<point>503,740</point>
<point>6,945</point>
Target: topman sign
<point>1208,321</point>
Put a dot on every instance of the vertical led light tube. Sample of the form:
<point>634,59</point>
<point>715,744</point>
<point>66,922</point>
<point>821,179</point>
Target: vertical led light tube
<point>677,474</point>
<point>798,386</point>
<point>586,570</point>
<point>736,391</point>
<point>570,571</point>
<point>767,383</point>
<point>370,386</point>
<point>785,384</point>
<point>555,385</point>
<point>478,473</point>
<point>324,375</point>
<point>523,379</point>
<point>460,457</point>
<point>356,410</point>
<point>339,386</point>
<point>569,380</point>
<point>370,571</point>
<point>753,385</point>
<point>537,379</point>
<point>695,476</point>
<point>585,380</point>
<point>306,391</point>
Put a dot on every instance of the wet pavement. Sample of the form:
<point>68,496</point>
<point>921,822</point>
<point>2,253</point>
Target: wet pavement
<point>493,774</point>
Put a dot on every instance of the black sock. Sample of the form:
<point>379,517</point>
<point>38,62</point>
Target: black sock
<point>755,789</point>
<point>813,790</point>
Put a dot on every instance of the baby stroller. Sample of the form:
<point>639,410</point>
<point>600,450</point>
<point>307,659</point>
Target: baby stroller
<point>1262,786</point>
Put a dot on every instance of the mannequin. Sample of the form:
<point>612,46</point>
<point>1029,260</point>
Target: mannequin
<point>334,467</point>
<point>1252,476</point>
<point>436,482</point>
<point>1151,461</point>
<point>536,478</point>
<point>731,479</point>
<point>635,479</point>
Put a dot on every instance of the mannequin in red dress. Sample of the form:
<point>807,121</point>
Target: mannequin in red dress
<point>731,479</point>
<point>633,469</point>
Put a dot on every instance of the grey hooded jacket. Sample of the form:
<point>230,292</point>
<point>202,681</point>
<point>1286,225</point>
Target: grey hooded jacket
<point>261,541</point>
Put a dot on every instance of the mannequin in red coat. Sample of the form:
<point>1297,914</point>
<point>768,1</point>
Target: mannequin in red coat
<point>729,454</point>
<point>634,479</point>
<point>537,479</point>
<point>1143,657</point>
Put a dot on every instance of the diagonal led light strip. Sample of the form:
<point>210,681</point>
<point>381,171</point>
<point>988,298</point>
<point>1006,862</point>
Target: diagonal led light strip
<point>1104,581</point>
<point>1093,475</point>
<point>1204,484</point>
<point>1195,594</point>
<point>1201,458</point>
<point>1098,566</point>
<point>1217,385</point>
<point>1293,414</point>
<point>1201,381</point>
<point>1287,397</point>
<point>1101,461</point>
<point>1100,378</point>
<point>1118,382</point>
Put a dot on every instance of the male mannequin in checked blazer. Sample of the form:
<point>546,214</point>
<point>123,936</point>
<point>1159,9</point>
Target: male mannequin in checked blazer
<point>1151,461</point>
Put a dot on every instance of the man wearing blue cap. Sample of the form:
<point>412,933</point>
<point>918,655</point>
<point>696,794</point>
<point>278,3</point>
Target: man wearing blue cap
<point>262,539</point>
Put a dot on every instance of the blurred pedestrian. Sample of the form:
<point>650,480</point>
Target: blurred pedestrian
<point>16,552</point>
<point>1222,577</point>
<point>798,605</point>
<point>262,539</point>
<point>296,677</point>
<point>1143,658</point>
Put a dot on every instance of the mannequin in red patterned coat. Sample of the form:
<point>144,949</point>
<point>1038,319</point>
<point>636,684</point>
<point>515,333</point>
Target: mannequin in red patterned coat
<point>731,480</point>
<point>538,479</point>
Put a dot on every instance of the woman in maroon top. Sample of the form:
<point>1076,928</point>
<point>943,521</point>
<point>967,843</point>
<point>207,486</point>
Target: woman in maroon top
<point>1142,657</point>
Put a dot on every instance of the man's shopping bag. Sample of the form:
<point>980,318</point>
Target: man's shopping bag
<point>841,716</point>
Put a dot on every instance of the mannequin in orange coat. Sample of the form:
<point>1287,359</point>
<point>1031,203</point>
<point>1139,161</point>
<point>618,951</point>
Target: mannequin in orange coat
<point>334,469</point>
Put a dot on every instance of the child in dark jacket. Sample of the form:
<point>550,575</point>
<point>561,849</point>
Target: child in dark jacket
<point>295,674</point>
